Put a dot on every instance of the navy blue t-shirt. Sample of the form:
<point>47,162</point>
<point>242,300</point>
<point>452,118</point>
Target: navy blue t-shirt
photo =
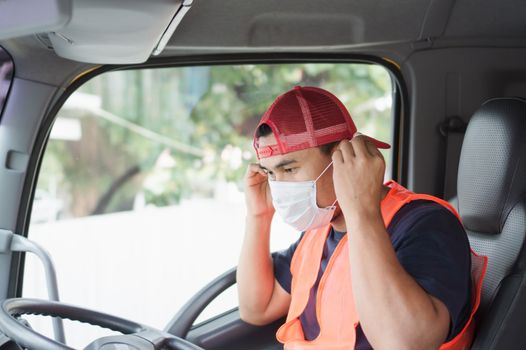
<point>430,244</point>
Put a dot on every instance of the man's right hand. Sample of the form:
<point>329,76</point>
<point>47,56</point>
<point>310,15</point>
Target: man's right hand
<point>257,192</point>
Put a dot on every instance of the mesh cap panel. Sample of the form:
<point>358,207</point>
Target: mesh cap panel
<point>306,117</point>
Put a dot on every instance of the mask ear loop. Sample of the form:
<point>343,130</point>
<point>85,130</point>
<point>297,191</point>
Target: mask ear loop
<point>323,172</point>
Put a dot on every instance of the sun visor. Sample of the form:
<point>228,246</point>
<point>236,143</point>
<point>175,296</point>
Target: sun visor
<point>26,17</point>
<point>117,31</point>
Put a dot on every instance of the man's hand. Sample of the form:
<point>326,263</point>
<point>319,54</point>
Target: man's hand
<point>358,176</point>
<point>257,192</point>
<point>395,312</point>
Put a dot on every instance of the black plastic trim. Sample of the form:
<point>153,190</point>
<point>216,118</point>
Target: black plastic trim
<point>230,332</point>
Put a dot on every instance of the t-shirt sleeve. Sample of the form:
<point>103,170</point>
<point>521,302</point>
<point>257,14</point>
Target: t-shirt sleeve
<point>434,250</point>
<point>281,261</point>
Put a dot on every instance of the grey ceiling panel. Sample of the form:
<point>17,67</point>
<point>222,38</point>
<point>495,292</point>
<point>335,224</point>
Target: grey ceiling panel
<point>298,23</point>
<point>487,18</point>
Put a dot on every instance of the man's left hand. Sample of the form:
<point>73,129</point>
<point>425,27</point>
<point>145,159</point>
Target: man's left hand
<point>358,176</point>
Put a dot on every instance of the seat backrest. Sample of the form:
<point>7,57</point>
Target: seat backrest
<point>492,204</point>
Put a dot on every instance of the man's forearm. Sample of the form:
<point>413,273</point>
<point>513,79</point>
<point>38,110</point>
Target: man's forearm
<point>255,276</point>
<point>395,312</point>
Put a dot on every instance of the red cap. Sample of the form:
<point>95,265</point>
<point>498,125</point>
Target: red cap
<point>306,117</point>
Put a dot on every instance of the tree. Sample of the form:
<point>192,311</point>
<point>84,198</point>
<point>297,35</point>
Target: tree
<point>200,118</point>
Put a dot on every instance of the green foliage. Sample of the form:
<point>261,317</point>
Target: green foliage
<point>202,120</point>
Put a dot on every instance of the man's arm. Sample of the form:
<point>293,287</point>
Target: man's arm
<point>261,298</point>
<point>395,312</point>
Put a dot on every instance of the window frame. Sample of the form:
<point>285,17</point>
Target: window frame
<point>400,108</point>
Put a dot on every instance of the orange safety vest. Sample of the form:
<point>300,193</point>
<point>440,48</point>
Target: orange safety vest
<point>335,309</point>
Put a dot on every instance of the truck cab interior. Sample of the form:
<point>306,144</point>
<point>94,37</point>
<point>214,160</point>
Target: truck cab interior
<point>125,129</point>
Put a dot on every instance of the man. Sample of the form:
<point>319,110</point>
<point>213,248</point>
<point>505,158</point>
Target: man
<point>376,266</point>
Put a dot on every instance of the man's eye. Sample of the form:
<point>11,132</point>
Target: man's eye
<point>290,170</point>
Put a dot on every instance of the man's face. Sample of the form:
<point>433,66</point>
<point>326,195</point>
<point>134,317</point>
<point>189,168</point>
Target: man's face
<point>304,165</point>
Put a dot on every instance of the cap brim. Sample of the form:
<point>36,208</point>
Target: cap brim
<point>377,143</point>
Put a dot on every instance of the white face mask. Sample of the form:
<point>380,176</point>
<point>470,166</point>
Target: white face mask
<point>296,203</point>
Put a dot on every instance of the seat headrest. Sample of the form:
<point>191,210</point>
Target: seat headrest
<point>492,167</point>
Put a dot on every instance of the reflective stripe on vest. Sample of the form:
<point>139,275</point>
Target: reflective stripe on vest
<point>335,308</point>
